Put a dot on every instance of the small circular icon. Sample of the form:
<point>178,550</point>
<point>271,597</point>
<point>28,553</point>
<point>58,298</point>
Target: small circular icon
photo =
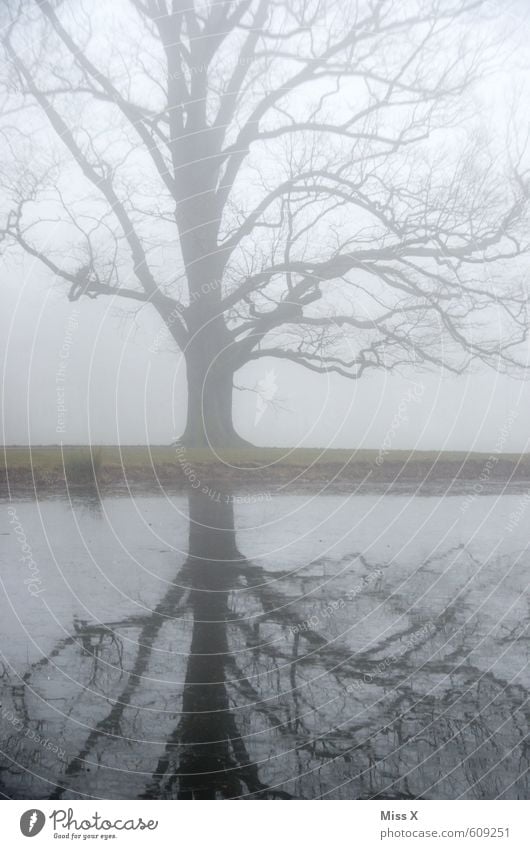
<point>31,822</point>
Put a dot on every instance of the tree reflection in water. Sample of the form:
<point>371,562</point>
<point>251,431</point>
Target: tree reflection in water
<point>231,687</point>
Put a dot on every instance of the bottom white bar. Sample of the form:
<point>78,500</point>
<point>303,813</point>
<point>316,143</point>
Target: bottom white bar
<point>256,824</point>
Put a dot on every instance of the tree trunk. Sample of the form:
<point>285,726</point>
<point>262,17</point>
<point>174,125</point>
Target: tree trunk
<point>210,376</point>
<point>209,351</point>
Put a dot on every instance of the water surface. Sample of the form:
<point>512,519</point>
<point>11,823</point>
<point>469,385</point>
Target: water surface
<point>300,647</point>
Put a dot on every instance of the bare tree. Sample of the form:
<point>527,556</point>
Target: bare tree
<point>296,179</point>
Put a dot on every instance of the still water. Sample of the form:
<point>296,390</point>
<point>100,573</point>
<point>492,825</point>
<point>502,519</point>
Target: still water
<point>335,647</point>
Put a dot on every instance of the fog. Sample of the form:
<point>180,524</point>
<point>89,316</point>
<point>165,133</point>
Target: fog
<point>118,391</point>
<point>99,371</point>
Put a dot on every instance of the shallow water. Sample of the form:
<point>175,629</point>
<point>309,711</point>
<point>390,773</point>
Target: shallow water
<point>327,647</point>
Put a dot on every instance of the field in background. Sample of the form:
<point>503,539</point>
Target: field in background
<point>52,457</point>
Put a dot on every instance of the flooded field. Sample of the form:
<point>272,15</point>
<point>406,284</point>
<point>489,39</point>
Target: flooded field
<point>335,647</point>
